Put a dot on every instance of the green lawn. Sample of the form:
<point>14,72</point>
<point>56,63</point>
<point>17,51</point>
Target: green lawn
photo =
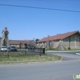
<point>63,50</point>
<point>17,57</point>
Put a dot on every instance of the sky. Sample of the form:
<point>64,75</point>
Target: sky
<point>30,23</point>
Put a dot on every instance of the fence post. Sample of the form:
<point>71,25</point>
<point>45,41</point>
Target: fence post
<point>40,51</point>
<point>43,50</point>
<point>25,51</point>
<point>8,53</point>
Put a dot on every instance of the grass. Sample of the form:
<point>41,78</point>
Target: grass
<point>62,50</point>
<point>4,59</point>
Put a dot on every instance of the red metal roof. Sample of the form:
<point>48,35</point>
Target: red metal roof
<point>58,36</point>
<point>16,42</point>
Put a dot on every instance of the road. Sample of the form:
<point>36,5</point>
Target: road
<point>62,70</point>
<point>66,55</point>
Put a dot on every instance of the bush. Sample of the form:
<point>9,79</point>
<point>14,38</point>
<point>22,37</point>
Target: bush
<point>69,48</point>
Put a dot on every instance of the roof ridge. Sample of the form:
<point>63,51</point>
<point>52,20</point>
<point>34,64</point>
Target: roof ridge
<point>67,32</point>
<point>59,36</point>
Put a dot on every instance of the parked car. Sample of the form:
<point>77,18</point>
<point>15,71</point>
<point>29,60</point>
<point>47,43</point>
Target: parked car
<point>13,48</point>
<point>4,48</point>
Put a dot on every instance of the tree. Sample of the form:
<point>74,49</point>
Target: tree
<point>26,46</point>
<point>20,45</point>
<point>37,40</point>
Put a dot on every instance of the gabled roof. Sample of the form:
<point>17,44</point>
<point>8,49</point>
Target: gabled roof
<point>16,42</point>
<point>58,36</point>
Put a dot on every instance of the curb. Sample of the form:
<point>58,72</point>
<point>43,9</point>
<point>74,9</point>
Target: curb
<point>61,58</point>
<point>78,54</point>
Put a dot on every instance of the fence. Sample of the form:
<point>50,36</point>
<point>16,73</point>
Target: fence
<point>24,52</point>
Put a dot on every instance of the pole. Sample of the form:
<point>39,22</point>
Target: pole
<point>25,49</point>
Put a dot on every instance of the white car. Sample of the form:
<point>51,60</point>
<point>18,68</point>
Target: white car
<point>4,48</point>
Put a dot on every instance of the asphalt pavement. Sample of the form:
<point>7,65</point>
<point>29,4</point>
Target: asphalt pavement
<point>66,55</point>
<point>61,70</point>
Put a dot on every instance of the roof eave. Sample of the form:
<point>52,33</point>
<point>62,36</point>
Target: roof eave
<point>71,34</point>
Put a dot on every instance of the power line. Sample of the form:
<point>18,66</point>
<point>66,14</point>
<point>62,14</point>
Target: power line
<point>39,8</point>
<point>60,1</point>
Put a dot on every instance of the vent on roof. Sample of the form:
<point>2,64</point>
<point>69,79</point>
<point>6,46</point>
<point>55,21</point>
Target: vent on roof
<point>48,35</point>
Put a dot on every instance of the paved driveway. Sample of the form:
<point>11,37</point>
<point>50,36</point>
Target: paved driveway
<point>66,55</point>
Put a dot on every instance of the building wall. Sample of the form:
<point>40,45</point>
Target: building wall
<point>0,41</point>
<point>55,44</point>
<point>73,42</point>
<point>77,42</point>
<point>41,45</point>
<point>31,43</point>
<point>47,44</point>
<point>15,45</point>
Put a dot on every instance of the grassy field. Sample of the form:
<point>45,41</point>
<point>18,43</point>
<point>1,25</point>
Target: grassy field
<point>18,57</point>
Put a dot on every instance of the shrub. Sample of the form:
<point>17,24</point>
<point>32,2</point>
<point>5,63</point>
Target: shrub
<point>69,48</point>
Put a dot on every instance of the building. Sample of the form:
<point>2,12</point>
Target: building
<point>22,42</point>
<point>0,41</point>
<point>69,40</point>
